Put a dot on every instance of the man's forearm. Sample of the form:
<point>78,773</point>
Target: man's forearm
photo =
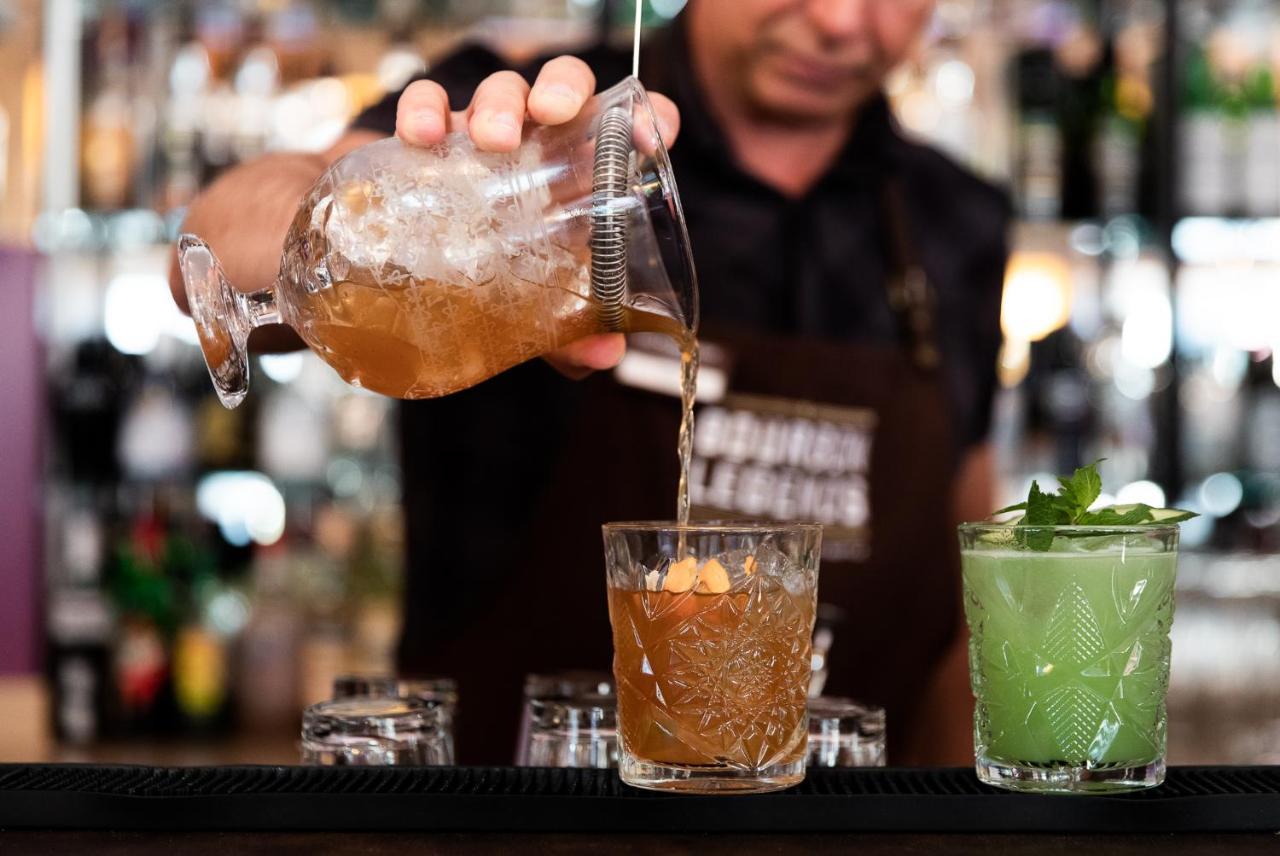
<point>244,216</point>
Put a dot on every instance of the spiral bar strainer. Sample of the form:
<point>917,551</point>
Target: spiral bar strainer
<point>609,189</point>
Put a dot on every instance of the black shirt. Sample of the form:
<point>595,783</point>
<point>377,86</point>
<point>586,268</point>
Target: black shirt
<point>477,463</point>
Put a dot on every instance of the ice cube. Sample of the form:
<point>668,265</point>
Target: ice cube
<point>475,218</point>
<point>769,560</point>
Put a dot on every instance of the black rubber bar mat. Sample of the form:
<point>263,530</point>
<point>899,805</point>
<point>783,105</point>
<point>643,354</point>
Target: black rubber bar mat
<point>76,796</point>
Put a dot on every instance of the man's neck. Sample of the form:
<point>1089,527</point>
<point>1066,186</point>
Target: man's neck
<point>790,160</point>
<point>788,156</point>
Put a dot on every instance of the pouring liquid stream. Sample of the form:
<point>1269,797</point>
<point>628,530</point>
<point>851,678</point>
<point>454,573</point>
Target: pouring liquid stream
<point>688,343</point>
<point>638,321</point>
<point>684,443</point>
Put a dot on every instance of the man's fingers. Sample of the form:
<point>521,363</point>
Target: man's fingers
<point>497,112</point>
<point>668,117</point>
<point>422,113</point>
<point>564,84</point>
<point>594,353</point>
<point>495,118</point>
<point>668,123</point>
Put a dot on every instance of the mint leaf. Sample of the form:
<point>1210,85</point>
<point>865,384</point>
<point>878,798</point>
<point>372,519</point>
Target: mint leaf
<point>1088,484</point>
<point>1080,491</point>
<point>1067,488</point>
<point>1021,506</point>
<point>1040,539</point>
<point>1067,510</point>
<point>1042,508</point>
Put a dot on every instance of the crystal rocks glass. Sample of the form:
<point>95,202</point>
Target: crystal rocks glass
<point>563,686</point>
<point>712,636</point>
<point>843,733</point>
<point>577,731</point>
<point>438,691</point>
<point>1069,655</point>
<point>370,731</point>
<point>416,272</point>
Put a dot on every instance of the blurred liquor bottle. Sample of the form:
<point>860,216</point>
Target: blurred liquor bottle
<point>1205,184</point>
<point>1058,402</point>
<point>1123,133</point>
<point>325,592</point>
<point>225,439</point>
<point>212,613</point>
<point>1231,130</point>
<point>189,77</point>
<point>156,439</point>
<point>202,676</point>
<point>1261,159</point>
<point>80,627</point>
<point>117,142</point>
<point>375,571</point>
<point>322,657</point>
<point>267,665</point>
<point>1077,76</point>
<point>143,597</point>
<point>88,400</point>
<point>1038,175</point>
<point>1068,152</point>
<point>254,85</point>
<point>1260,441</point>
<point>182,610</point>
<point>293,33</point>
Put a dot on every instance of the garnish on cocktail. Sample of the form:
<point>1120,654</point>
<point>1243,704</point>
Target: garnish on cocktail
<point>1072,506</point>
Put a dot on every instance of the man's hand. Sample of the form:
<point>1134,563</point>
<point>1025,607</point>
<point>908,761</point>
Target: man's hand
<point>495,119</point>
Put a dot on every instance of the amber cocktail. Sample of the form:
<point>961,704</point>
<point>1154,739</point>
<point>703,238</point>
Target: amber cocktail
<point>712,627</point>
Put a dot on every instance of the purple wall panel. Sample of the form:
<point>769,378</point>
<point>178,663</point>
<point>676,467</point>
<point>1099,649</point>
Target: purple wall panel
<point>21,408</point>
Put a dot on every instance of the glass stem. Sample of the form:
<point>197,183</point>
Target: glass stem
<point>260,307</point>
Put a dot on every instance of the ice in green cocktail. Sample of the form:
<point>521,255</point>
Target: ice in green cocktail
<point>1069,653</point>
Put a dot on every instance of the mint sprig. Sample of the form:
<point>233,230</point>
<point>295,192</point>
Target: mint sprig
<point>1070,507</point>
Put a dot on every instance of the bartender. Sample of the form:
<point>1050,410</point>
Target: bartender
<point>850,292</point>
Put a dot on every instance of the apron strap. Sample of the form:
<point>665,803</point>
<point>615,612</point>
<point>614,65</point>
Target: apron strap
<point>910,296</point>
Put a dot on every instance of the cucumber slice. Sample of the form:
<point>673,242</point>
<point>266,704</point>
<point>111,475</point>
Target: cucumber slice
<point>1171,515</point>
<point>1154,515</point>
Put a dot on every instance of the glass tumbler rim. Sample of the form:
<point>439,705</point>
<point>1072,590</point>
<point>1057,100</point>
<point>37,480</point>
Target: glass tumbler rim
<point>832,707</point>
<point>439,680</point>
<point>592,710</point>
<point>569,683</point>
<point>433,689</point>
<point>745,527</point>
<point>360,713</point>
<point>1156,529</point>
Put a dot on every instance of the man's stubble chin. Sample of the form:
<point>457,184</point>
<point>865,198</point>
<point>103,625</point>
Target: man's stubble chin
<point>780,101</point>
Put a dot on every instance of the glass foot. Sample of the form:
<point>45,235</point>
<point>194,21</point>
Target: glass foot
<point>710,779</point>
<point>1069,779</point>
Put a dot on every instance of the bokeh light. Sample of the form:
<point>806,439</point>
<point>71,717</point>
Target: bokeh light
<point>1143,491</point>
<point>1220,494</point>
<point>246,505</point>
<point>1037,296</point>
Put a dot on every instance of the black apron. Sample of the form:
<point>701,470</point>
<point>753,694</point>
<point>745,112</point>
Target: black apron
<point>877,415</point>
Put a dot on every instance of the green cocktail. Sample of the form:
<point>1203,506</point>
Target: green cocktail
<point>1069,653</point>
